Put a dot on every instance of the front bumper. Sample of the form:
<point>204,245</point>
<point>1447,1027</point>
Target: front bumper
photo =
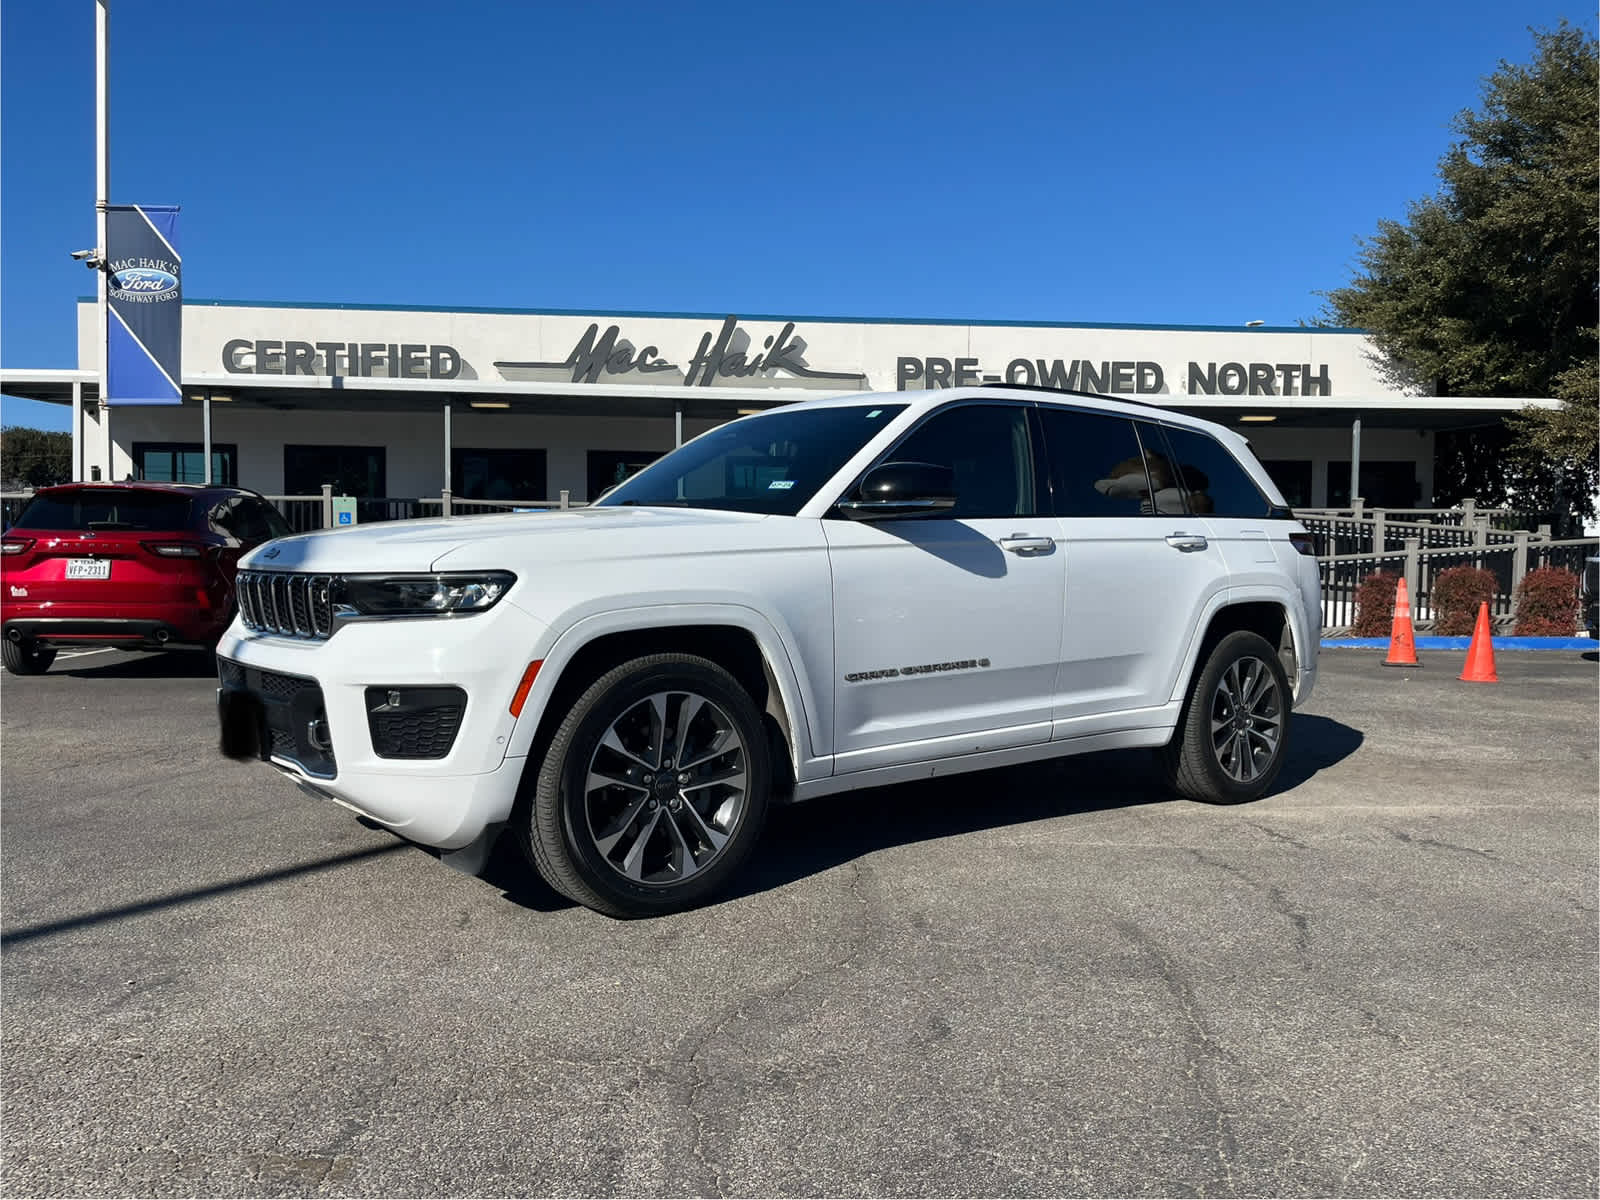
<point>307,707</point>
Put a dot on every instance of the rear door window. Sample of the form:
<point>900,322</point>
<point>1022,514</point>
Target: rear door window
<point>1213,481</point>
<point>1097,466</point>
<point>104,508</point>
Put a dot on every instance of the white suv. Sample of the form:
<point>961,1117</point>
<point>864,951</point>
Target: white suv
<point>830,595</point>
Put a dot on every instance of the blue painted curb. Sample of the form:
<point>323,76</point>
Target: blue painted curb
<point>1461,643</point>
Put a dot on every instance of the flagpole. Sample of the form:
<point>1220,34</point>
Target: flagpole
<point>102,193</point>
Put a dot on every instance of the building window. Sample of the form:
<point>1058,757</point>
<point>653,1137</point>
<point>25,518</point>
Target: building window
<point>352,470</point>
<point>1383,484</point>
<point>185,462</point>
<point>607,468</point>
<point>497,474</point>
<point>1293,477</point>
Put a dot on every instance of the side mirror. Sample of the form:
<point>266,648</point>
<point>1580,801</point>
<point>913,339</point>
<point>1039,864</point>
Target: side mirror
<point>895,490</point>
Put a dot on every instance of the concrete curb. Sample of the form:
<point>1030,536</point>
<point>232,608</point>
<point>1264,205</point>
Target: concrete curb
<point>1461,643</point>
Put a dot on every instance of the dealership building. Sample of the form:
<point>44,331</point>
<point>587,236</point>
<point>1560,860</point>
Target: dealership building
<point>390,402</point>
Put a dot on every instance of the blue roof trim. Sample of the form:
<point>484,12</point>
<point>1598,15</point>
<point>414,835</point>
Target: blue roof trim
<point>718,316</point>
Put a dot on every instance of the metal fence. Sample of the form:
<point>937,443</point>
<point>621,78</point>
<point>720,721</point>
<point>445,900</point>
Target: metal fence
<point>306,513</point>
<point>1343,574</point>
<point>1379,530</point>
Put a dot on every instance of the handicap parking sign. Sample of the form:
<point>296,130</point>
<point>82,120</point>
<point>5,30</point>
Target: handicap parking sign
<point>344,510</point>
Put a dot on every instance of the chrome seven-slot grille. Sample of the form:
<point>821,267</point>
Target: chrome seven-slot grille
<point>286,603</point>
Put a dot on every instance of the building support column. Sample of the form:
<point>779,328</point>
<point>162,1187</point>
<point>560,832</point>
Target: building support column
<point>205,427</point>
<point>677,423</point>
<point>1355,463</point>
<point>448,411</point>
<point>77,431</point>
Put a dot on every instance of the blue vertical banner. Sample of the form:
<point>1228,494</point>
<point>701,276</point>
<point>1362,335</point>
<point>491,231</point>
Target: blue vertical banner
<point>144,293</point>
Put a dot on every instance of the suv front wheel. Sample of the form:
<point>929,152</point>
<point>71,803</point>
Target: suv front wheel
<point>1233,731</point>
<point>653,790</point>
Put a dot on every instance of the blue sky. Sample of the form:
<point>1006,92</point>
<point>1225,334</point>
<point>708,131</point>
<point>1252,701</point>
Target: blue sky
<point>1169,163</point>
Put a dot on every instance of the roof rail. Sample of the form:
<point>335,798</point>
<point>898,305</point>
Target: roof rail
<point>1055,391</point>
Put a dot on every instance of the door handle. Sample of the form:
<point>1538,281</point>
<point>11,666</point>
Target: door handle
<point>1186,541</point>
<point>1022,543</point>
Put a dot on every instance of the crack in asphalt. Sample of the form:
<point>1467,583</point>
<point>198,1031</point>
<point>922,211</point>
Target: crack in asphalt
<point>1278,901</point>
<point>1204,1052</point>
<point>1415,840</point>
<point>1276,836</point>
<point>687,1058</point>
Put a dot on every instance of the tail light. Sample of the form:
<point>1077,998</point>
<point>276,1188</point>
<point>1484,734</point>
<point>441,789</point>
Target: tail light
<point>173,549</point>
<point>1304,543</point>
<point>15,545</point>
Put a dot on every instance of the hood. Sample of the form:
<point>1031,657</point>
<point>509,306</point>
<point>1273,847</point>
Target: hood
<point>414,545</point>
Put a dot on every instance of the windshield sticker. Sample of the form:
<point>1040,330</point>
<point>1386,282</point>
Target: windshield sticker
<point>877,412</point>
<point>780,485</point>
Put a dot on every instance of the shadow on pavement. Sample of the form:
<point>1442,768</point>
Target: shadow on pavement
<point>27,933</point>
<point>139,664</point>
<point>810,838</point>
<point>1318,743</point>
<point>806,839</point>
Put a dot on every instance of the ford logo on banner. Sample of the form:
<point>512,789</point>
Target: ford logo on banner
<point>146,280</point>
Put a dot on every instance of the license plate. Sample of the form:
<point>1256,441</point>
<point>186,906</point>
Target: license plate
<point>88,568</point>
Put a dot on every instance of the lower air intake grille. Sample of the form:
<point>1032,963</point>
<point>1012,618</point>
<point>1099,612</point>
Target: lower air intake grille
<point>414,722</point>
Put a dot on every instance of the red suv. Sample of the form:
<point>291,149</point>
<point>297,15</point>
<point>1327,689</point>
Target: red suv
<point>135,565</point>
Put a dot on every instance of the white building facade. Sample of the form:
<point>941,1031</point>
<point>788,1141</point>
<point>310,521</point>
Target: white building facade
<point>395,402</point>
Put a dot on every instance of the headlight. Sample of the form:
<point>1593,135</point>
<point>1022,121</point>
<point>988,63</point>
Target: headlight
<point>419,595</point>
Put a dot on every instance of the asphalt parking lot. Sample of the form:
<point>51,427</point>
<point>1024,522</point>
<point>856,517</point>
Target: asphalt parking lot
<point>1379,980</point>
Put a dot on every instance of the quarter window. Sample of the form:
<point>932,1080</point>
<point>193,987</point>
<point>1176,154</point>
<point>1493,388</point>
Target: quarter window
<point>1215,483</point>
<point>988,448</point>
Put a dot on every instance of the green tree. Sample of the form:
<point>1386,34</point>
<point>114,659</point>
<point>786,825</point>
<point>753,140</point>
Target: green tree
<point>1489,287</point>
<point>34,457</point>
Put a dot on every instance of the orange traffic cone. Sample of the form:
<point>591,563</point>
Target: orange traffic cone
<point>1402,641</point>
<point>1480,654</point>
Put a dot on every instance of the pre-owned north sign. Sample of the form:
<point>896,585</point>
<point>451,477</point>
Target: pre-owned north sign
<point>1122,377</point>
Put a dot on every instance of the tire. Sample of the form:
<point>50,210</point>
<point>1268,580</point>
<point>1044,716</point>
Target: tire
<point>26,658</point>
<point>656,838</point>
<point>1207,759</point>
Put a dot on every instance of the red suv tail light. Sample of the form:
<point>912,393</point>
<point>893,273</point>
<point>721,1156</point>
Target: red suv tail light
<point>15,545</point>
<point>1304,543</point>
<point>173,549</point>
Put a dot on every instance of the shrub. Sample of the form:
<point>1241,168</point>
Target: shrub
<point>1456,594</point>
<point>1375,605</point>
<point>1547,603</point>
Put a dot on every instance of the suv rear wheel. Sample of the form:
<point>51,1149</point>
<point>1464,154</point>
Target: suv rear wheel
<point>653,790</point>
<point>26,657</point>
<point>1234,729</point>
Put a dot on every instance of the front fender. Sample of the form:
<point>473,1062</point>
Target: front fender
<point>778,647</point>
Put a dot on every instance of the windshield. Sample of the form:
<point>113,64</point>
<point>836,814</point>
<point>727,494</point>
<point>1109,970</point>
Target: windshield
<point>771,464</point>
<point>105,508</point>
